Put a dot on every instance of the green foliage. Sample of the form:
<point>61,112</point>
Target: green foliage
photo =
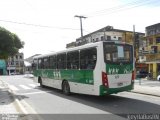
<point>9,43</point>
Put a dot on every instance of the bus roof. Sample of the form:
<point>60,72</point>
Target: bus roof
<point>78,48</point>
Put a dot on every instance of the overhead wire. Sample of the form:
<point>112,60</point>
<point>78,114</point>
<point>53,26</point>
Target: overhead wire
<point>93,14</point>
<point>37,25</point>
<point>116,7</point>
<point>119,8</point>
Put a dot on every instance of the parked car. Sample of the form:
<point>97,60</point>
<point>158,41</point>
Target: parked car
<point>158,77</point>
<point>142,74</point>
<point>28,75</point>
<point>12,73</point>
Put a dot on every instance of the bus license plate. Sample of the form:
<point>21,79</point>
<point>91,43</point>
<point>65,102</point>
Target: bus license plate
<point>119,84</point>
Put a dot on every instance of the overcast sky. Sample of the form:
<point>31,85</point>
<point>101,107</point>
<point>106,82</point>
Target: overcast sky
<point>48,25</point>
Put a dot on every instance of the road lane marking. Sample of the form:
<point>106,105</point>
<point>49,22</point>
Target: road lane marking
<point>25,87</point>
<point>33,85</point>
<point>32,93</point>
<point>12,87</point>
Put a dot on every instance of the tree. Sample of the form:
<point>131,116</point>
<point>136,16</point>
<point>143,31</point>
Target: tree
<point>9,43</point>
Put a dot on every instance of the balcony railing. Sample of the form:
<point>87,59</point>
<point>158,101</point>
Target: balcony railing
<point>148,52</point>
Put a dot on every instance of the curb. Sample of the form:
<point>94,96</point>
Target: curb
<point>20,109</point>
<point>145,93</point>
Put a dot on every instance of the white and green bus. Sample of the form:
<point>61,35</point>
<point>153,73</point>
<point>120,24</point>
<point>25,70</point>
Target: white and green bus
<point>99,68</point>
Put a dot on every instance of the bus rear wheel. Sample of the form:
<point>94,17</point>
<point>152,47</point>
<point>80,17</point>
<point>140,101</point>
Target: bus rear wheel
<point>66,88</point>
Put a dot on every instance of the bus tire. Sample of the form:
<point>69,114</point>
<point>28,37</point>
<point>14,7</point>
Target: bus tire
<point>65,88</point>
<point>40,82</point>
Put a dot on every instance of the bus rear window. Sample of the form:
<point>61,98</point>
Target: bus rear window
<point>117,53</point>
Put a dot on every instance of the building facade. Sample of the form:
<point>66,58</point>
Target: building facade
<point>108,33</point>
<point>151,49</point>
<point>15,64</point>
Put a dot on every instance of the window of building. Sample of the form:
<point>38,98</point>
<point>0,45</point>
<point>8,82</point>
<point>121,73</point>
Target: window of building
<point>154,49</point>
<point>16,56</point>
<point>21,63</point>
<point>73,60</point>
<point>61,61</point>
<point>102,38</point>
<point>20,57</point>
<point>158,40</point>
<point>150,41</point>
<point>88,58</point>
<point>12,62</point>
<point>108,37</point>
<point>17,63</point>
<point>142,57</point>
<point>120,38</point>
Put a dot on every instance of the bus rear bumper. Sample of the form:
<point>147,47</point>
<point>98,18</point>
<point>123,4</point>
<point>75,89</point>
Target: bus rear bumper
<point>107,91</point>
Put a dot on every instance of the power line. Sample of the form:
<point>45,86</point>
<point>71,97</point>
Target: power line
<point>121,8</point>
<point>114,8</point>
<point>37,25</point>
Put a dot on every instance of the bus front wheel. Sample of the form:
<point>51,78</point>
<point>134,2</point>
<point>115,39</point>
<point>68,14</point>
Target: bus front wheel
<point>40,82</point>
<point>65,88</point>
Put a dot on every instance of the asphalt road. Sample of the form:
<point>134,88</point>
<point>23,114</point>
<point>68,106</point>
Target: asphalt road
<point>51,101</point>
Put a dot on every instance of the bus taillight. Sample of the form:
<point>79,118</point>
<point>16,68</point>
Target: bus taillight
<point>133,75</point>
<point>105,79</point>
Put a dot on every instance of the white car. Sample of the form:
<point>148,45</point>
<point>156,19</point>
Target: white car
<point>28,76</point>
<point>158,77</point>
<point>12,73</point>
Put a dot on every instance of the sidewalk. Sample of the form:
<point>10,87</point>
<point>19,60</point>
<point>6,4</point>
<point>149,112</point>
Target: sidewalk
<point>147,87</point>
<point>7,102</point>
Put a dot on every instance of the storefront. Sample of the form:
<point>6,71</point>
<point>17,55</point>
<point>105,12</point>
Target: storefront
<point>154,68</point>
<point>142,70</point>
<point>2,67</point>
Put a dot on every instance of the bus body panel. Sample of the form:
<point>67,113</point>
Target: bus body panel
<point>119,75</point>
<point>100,67</point>
<point>117,81</point>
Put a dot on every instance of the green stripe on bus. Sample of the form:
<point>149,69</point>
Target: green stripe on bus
<point>119,69</point>
<point>79,76</point>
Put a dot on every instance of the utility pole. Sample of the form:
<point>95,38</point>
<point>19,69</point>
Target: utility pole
<point>80,17</point>
<point>134,47</point>
<point>134,40</point>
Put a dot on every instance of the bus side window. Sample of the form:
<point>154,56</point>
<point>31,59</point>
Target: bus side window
<point>46,63</point>
<point>61,61</point>
<point>40,63</point>
<point>88,58</point>
<point>34,64</point>
<point>73,60</point>
<point>52,62</point>
<point>108,56</point>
